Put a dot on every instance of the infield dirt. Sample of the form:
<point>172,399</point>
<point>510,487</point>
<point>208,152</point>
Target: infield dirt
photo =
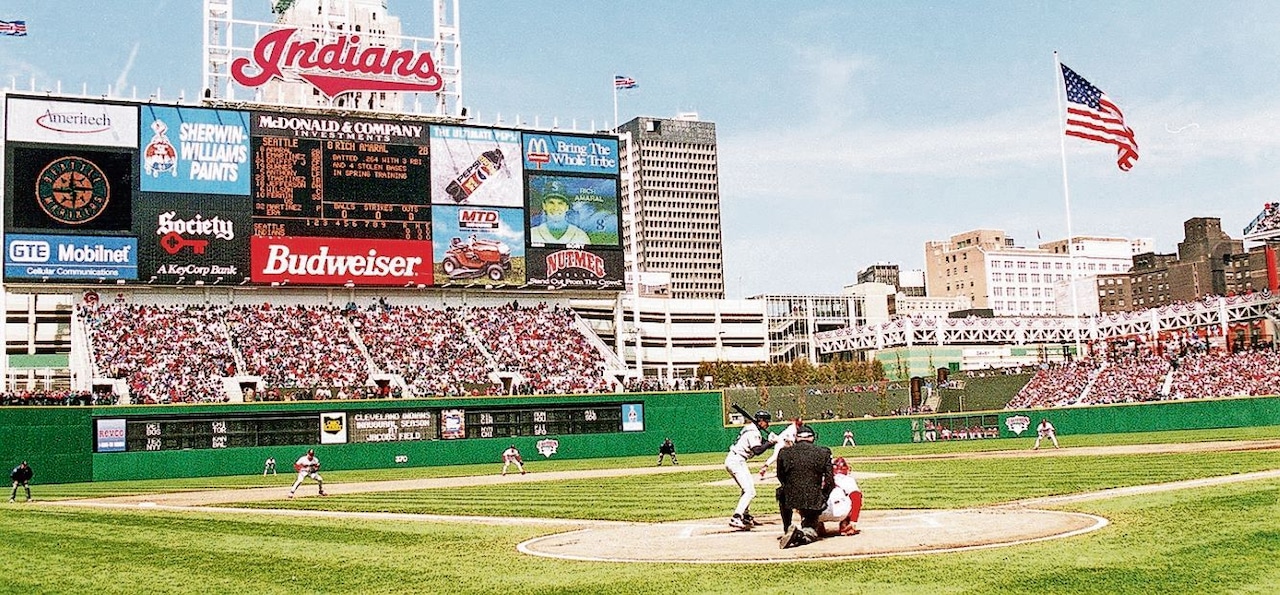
<point>884,532</point>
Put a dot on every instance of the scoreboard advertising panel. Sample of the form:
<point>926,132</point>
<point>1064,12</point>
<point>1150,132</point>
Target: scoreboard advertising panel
<point>175,195</point>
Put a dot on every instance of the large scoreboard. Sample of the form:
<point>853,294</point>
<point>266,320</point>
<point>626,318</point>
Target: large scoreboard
<point>162,432</point>
<point>112,191</point>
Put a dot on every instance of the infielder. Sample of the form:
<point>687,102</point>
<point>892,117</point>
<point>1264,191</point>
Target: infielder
<point>749,444</point>
<point>510,457</point>
<point>1045,430</point>
<point>785,438</point>
<point>844,505</point>
<point>308,466</point>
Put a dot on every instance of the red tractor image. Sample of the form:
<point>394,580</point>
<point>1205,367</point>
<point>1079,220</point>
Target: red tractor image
<point>476,258</point>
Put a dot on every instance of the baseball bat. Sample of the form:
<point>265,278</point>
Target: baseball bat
<point>749,416</point>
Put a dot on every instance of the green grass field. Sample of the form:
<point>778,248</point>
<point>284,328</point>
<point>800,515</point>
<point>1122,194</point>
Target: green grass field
<point>1203,540</point>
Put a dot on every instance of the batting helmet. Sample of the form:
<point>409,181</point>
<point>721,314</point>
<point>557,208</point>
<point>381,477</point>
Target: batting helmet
<point>763,415</point>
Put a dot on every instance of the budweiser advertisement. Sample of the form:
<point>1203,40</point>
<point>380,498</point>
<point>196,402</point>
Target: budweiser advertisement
<point>340,261</point>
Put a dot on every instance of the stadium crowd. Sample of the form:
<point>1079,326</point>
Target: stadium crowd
<point>1156,373</point>
<point>423,345</point>
<point>543,344</point>
<point>166,354</point>
<point>179,354</point>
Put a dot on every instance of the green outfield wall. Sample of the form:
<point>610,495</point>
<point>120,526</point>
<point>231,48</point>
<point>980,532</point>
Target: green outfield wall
<point>62,442</point>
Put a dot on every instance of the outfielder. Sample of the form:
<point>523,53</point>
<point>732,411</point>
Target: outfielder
<point>1045,430</point>
<point>21,476</point>
<point>749,444</point>
<point>844,505</point>
<point>308,466</point>
<point>848,438</point>
<point>511,456</point>
<point>269,466</point>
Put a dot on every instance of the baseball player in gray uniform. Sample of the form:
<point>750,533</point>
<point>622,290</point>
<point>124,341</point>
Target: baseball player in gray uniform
<point>749,444</point>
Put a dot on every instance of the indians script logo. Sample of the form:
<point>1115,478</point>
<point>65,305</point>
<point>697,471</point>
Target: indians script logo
<point>159,156</point>
<point>575,259</point>
<point>73,190</point>
<point>536,151</point>
<point>1017,423</point>
<point>339,66</point>
<point>548,447</point>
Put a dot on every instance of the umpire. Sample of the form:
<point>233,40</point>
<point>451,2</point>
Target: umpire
<point>804,471</point>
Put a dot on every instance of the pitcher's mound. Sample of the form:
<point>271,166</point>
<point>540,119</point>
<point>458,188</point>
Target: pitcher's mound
<point>884,533</point>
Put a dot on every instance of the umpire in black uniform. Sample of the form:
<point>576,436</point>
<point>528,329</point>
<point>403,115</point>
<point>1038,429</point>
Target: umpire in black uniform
<point>804,469</point>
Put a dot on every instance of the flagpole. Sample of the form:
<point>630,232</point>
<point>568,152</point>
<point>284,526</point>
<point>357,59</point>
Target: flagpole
<point>1060,85</point>
<point>615,102</point>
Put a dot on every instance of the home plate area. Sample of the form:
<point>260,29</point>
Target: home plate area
<point>884,533</point>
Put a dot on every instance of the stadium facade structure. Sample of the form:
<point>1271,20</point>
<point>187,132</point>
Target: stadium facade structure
<point>1223,318</point>
<point>987,266</point>
<point>670,199</point>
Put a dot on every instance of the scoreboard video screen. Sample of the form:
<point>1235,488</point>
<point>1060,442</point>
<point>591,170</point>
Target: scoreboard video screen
<point>116,191</point>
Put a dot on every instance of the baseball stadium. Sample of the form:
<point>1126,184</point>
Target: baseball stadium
<point>199,293</point>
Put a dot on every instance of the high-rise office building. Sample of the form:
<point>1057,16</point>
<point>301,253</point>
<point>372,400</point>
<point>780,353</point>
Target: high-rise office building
<point>670,178</point>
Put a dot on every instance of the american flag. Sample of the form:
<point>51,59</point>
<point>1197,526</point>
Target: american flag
<point>14,28</point>
<point>1092,116</point>
<point>624,82</point>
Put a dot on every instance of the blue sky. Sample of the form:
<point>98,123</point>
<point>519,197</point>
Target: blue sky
<point>850,133</point>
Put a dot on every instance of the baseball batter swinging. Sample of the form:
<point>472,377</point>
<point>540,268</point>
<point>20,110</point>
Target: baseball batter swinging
<point>308,466</point>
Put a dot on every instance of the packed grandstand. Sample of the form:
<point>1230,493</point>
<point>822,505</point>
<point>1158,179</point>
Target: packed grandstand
<point>183,353</point>
<point>188,354</point>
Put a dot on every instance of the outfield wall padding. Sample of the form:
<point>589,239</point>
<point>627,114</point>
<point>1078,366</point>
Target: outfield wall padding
<point>59,441</point>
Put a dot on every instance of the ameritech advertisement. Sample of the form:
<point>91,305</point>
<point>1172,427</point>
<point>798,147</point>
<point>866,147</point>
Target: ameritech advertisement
<point>72,123</point>
<point>70,257</point>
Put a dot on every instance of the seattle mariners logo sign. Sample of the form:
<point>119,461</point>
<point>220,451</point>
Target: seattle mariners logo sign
<point>73,190</point>
<point>1017,423</point>
<point>548,447</point>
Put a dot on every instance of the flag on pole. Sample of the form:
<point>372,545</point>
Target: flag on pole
<point>13,28</point>
<point>624,82</point>
<point>1092,116</point>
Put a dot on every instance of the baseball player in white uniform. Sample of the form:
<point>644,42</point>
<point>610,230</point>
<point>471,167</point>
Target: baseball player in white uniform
<point>308,466</point>
<point>1045,430</point>
<point>749,444</point>
<point>844,505</point>
<point>785,438</point>
<point>510,457</point>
